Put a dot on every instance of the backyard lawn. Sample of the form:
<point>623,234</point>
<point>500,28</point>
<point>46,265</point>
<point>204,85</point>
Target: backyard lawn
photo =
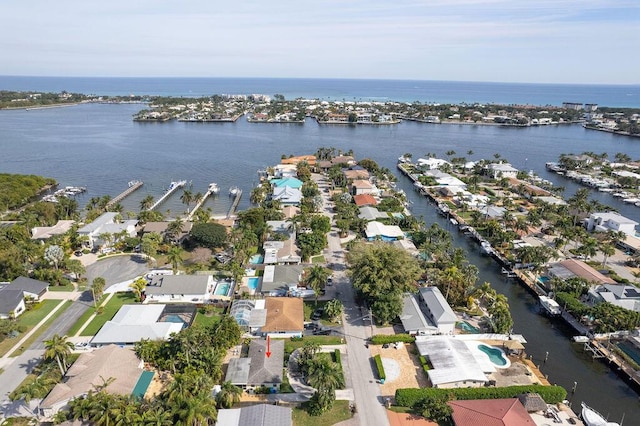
<point>28,320</point>
<point>292,345</point>
<point>207,320</point>
<point>108,312</point>
<point>338,413</point>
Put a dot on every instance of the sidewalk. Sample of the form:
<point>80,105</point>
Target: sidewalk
<point>5,358</point>
<point>110,295</point>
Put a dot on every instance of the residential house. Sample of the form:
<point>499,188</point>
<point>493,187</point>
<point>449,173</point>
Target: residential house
<point>46,232</point>
<point>290,211</point>
<point>287,196</point>
<point>33,289</point>
<point>133,323</point>
<point>624,296</point>
<point>251,315</point>
<point>161,228</point>
<point>285,170</point>
<point>378,230</point>
<point>281,252</point>
<point>107,225</point>
<point>345,160</point>
<point>361,186</point>
<point>575,268</point>
<point>445,179</point>
<point>355,174</point>
<point>364,200</point>
<point>490,412</point>
<point>256,415</point>
<point>413,320</point>
<point>431,163</point>
<point>179,288</point>
<point>285,317</point>
<point>258,369</point>
<point>279,280</point>
<point>437,310</point>
<point>371,213</point>
<point>291,182</point>
<point>309,159</point>
<point>492,212</point>
<point>501,170</point>
<point>117,368</point>
<point>11,303</point>
<point>610,221</point>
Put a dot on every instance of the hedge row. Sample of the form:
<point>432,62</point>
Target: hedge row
<point>381,374</point>
<point>413,397</point>
<point>336,355</point>
<point>381,339</point>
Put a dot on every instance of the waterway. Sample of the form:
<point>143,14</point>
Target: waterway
<point>100,147</point>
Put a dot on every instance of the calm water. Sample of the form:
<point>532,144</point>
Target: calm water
<point>341,89</point>
<point>98,146</point>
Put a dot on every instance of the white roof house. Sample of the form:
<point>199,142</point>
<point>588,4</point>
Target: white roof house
<point>431,163</point>
<point>610,221</point>
<point>46,232</point>
<point>437,310</point>
<point>500,170</point>
<point>454,363</point>
<point>287,196</point>
<point>106,223</point>
<point>132,323</point>
<point>377,229</point>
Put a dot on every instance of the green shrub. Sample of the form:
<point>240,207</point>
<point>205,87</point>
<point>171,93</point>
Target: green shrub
<point>413,397</point>
<point>381,374</point>
<point>426,368</point>
<point>336,355</point>
<point>423,361</point>
<point>381,339</point>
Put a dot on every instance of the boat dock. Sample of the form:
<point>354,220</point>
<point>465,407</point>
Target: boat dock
<point>234,205</point>
<point>133,186</point>
<point>172,188</point>
<point>212,190</point>
<point>602,350</point>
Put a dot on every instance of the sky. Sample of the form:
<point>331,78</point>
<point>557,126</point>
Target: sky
<point>536,41</point>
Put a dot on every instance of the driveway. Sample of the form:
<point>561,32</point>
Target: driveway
<point>116,269</point>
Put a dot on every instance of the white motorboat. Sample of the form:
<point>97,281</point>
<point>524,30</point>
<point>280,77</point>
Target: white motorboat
<point>550,306</point>
<point>214,188</point>
<point>592,418</point>
<point>233,190</point>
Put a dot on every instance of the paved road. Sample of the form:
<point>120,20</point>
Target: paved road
<point>117,269</point>
<point>368,400</point>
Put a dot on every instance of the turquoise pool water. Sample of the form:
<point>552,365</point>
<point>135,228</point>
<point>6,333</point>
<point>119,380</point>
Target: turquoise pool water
<point>174,318</point>
<point>495,355</point>
<point>543,279</point>
<point>253,283</point>
<point>143,383</point>
<point>222,289</point>
<point>256,259</point>
<point>465,326</point>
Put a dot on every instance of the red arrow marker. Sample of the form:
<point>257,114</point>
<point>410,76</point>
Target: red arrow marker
<point>268,353</point>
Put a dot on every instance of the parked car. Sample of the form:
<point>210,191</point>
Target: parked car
<point>317,314</point>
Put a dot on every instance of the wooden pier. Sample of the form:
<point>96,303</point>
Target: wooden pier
<point>133,186</point>
<point>172,188</point>
<point>235,203</point>
<point>602,351</point>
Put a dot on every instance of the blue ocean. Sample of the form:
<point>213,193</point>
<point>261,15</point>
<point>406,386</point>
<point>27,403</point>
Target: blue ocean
<point>340,89</point>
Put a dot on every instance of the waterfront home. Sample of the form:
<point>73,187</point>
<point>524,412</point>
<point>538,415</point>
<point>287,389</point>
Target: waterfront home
<point>255,415</point>
<point>492,212</point>
<point>445,179</point>
<point>107,224</point>
<point>356,173</point>
<point>117,368</point>
<point>258,369</point>
<point>290,212</point>
<point>288,181</point>
<point>161,228</point>
<point>407,245</point>
<point>369,213</point>
<point>133,323</point>
<point>378,230</point>
<point>413,320</point>
<point>283,171</point>
<point>287,196</point>
<point>575,268</point>
<point>45,232</point>
<point>361,186</point>
<point>309,159</point>
<point>437,309</point>
<point>346,160</point>
<point>362,200</point>
<point>456,364</point>
<point>179,288</point>
<point>431,163</point>
<point>624,296</point>
<point>279,280</point>
<point>285,317</point>
<point>501,170</point>
<point>503,412</point>
<point>610,221</point>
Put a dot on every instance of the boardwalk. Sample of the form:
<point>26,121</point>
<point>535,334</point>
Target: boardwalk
<point>235,203</point>
<point>200,202</point>
<point>172,188</point>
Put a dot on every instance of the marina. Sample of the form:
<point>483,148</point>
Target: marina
<point>66,192</point>
<point>173,186</point>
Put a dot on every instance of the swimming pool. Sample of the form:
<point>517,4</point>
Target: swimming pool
<point>543,279</point>
<point>631,351</point>
<point>467,328</point>
<point>496,355</point>
<point>253,283</point>
<point>222,289</point>
<point>256,259</point>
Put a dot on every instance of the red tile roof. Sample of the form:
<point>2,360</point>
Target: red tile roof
<point>364,200</point>
<point>490,412</point>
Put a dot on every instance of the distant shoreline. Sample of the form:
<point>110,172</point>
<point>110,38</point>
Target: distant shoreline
<point>27,108</point>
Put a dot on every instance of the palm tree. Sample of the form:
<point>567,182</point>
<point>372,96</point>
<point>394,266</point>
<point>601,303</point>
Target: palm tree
<point>157,416</point>
<point>316,279</point>
<point>58,348</point>
<point>138,287</point>
<point>146,202</point>
<point>607,250</point>
<point>174,256</point>
<point>174,229</point>
<point>187,198</point>
<point>228,396</point>
<point>324,374</point>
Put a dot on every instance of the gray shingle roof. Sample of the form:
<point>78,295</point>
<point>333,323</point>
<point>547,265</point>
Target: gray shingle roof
<point>10,299</point>
<point>29,285</point>
<point>178,284</point>
<point>437,304</point>
<point>265,415</point>
<point>263,369</point>
<point>238,371</point>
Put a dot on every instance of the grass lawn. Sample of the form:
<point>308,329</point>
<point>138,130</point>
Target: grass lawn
<point>317,259</point>
<point>36,335</point>
<point>108,312</point>
<point>28,320</point>
<point>204,320</point>
<point>338,413</point>
<point>292,345</point>
<point>68,287</point>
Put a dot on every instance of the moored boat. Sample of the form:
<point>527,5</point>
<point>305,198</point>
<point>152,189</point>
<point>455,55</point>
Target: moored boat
<point>233,190</point>
<point>214,188</point>
<point>550,306</point>
<point>592,418</point>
